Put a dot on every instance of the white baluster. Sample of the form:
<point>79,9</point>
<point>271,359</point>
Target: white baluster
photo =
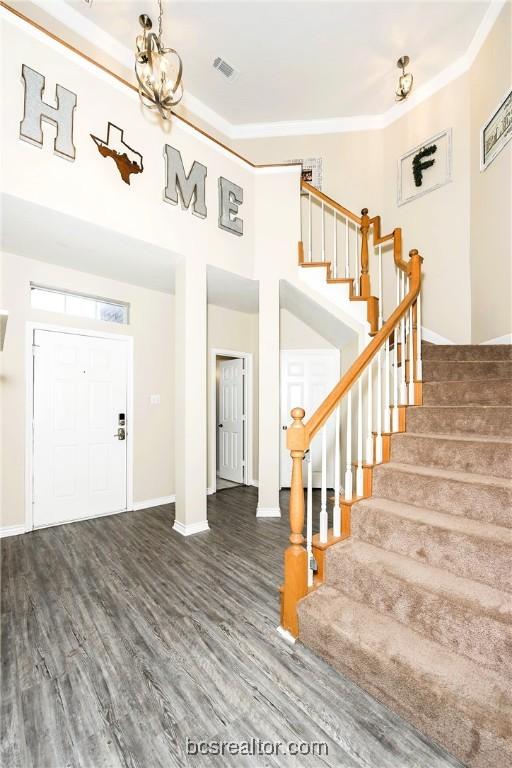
<point>335,245</point>
<point>403,350</point>
<point>310,231</point>
<point>336,513</point>
<point>323,233</point>
<point>356,246</point>
<point>324,519</point>
<point>395,357</point>
<point>378,439</point>
<point>411,359</point>
<point>347,252</point>
<point>348,469</point>
<point>369,417</point>
<point>359,472</point>
<point>381,299</point>
<point>309,517</point>
<point>387,384</point>
<point>419,362</point>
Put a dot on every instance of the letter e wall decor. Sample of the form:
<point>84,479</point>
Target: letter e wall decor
<point>230,197</point>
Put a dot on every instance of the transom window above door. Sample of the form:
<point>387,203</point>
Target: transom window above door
<point>78,304</point>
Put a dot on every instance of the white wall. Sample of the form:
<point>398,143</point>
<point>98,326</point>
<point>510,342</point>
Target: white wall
<point>491,191</point>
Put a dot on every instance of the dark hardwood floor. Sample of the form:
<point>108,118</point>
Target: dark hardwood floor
<point>121,639</point>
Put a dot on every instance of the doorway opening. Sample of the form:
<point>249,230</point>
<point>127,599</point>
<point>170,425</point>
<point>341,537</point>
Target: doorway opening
<point>230,440</point>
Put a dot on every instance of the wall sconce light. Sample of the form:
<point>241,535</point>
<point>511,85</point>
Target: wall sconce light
<point>405,80</point>
<point>158,69</point>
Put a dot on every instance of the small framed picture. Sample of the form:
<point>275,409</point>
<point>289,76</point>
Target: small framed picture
<point>425,167</point>
<point>496,132</point>
<point>311,171</point>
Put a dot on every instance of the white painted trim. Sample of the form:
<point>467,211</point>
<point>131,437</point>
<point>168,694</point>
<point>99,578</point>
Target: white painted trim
<point>150,503</point>
<point>122,54</point>
<point>212,415</point>
<point>506,339</point>
<point>209,491</point>
<point>11,530</point>
<point>254,483</point>
<point>433,337</point>
<point>30,328</point>
<point>268,511</point>
<point>286,635</point>
<point>79,519</point>
<point>191,529</point>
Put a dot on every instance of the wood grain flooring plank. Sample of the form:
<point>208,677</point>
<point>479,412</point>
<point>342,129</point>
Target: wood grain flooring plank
<point>121,639</point>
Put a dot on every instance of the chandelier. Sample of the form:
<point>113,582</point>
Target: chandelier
<point>404,81</point>
<point>158,69</point>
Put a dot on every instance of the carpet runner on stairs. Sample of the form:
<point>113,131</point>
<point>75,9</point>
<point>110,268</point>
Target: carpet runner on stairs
<point>417,604</point>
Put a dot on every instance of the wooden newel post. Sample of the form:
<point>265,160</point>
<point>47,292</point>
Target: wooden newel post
<point>295,558</point>
<point>364,283</point>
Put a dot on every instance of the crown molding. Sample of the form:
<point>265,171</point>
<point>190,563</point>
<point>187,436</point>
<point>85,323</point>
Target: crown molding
<point>82,26</point>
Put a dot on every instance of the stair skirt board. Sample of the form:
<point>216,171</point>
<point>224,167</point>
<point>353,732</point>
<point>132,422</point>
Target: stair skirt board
<point>416,606</point>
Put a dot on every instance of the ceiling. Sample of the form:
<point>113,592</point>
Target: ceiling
<point>295,61</point>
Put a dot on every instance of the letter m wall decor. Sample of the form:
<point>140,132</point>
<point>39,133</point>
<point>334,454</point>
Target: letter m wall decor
<point>425,167</point>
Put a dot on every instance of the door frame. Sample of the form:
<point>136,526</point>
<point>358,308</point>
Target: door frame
<point>31,327</point>
<point>336,355</point>
<point>212,415</point>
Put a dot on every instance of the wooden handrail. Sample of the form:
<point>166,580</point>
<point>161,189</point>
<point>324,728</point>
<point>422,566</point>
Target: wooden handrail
<point>395,236</point>
<point>300,439</point>
<point>329,201</point>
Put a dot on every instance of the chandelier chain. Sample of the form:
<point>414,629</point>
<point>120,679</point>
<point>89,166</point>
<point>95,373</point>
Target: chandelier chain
<point>160,15</point>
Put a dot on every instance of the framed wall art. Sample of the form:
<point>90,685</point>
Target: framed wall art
<point>311,170</point>
<point>425,167</point>
<point>496,132</point>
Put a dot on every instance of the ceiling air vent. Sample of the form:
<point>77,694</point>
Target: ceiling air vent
<point>226,69</point>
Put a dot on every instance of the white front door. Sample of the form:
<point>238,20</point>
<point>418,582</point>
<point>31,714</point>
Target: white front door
<point>307,376</point>
<point>80,403</point>
<point>231,420</point>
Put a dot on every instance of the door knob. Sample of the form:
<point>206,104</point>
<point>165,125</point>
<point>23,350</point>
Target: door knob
<point>285,427</point>
<point>120,434</point>
<point>220,426</point>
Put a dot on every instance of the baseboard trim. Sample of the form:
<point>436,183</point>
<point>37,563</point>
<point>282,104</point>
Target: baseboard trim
<point>506,339</point>
<point>255,483</point>
<point>286,635</point>
<point>433,337</point>
<point>191,529</point>
<point>268,512</point>
<point>153,502</point>
<point>11,530</point>
<point>209,491</point>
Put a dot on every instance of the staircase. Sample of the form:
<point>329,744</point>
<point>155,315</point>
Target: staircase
<point>416,606</point>
<point>407,587</point>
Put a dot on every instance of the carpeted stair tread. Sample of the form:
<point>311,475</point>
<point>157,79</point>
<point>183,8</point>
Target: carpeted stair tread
<point>468,392</point>
<point>460,370</point>
<point>464,453</point>
<point>468,548</point>
<point>467,616</point>
<point>460,352</point>
<point>449,697</point>
<point>492,420</point>
<point>462,494</point>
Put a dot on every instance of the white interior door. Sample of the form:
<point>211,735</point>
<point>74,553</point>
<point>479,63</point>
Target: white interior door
<point>79,454</point>
<point>231,420</point>
<point>307,376</point>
